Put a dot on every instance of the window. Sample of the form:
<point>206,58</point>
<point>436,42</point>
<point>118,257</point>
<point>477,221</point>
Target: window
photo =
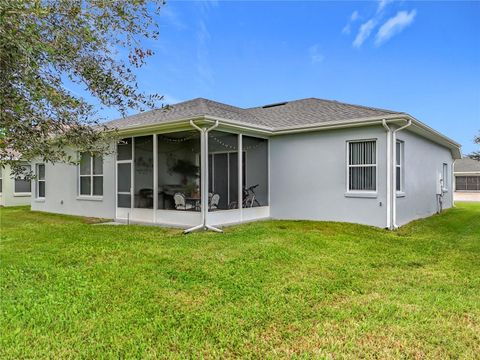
<point>40,186</point>
<point>362,165</point>
<point>467,183</point>
<point>399,166</point>
<point>22,182</point>
<point>445,176</point>
<point>1,180</point>
<point>91,175</point>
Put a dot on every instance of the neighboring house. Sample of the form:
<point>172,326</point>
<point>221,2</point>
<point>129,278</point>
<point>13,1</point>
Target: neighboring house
<point>467,180</point>
<point>14,192</point>
<point>309,159</point>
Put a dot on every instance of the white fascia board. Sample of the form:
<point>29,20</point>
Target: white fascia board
<point>239,126</point>
<point>159,127</point>
<point>333,124</point>
<point>199,120</point>
<point>433,135</point>
<point>233,124</point>
<point>434,132</point>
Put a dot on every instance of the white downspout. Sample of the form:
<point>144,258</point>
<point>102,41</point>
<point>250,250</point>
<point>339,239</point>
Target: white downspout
<point>389,172</point>
<point>453,183</point>
<point>240,176</point>
<point>394,178</point>
<point>203,177</point>
<point>391,178</point>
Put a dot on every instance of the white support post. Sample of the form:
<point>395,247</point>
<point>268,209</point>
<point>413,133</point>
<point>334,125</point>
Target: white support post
<point>240,176</point>
<point>203,178</point>
<point>394,179</point>
<point>155,177</point>
<point>205,168</point>
<point>389,173</point>
<point>391,176</point>
<point>394,169</point>
<point>115,175</point>
<point>453,183</point>
<point>204,195</point>
<point>132,177</point>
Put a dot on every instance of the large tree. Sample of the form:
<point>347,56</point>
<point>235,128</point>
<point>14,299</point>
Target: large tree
<point>45,44</point>
<point>476,154</point>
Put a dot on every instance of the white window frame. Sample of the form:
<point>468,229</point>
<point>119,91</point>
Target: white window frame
<point>445,177</point>
<point>400,167</point>
<point>38,180</point>
<point>22,193</point>
<point>361,193</point>
<point>91,176</point>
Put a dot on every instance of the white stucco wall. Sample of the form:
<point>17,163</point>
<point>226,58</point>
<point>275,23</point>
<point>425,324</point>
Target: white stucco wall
<point>8,197</point>
<point>62,196</point>
<point>423,164</point>
<point>309,177</point>
<point>308,180</point>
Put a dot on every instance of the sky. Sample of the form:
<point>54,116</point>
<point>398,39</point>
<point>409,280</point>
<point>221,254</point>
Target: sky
<point>422,58</point>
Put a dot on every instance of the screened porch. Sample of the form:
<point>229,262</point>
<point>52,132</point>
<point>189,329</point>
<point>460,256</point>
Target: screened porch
<point>159,178</point>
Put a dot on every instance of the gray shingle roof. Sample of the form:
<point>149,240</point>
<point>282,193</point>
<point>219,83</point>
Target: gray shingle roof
<point>467,165</point>
<point>292,113</point>
<point>313,111</point>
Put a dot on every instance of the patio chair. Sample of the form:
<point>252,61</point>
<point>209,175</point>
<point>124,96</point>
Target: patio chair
<point>145,198</point>
<point>180,202</point>
<point>214,202</point>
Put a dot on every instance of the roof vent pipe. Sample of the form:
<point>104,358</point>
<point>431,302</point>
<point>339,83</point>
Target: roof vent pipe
<point>273,105</point>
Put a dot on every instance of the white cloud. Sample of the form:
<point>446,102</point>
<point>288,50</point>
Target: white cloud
<point>382,4</point>
<point>347,29</point>
<point>207,5</point>
<point>204,70</point>
<point>316,56</point>
<point>364,33</point>
<point>205,75</point>
<point>172,18</point>
<point>394,25</point>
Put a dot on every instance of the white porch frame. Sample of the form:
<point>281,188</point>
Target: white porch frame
<point>205,219</point>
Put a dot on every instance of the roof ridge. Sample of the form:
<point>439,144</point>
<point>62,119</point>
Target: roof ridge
<point>331,101</point>
<point>218,103</point>
<point>358,106</point>
<point>301,111</point>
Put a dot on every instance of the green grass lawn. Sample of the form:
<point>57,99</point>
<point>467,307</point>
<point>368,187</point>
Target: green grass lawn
<point>276,289</point>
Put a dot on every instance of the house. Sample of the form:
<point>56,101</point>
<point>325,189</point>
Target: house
<point>467,180</point>
<point>14,191</point>
<point>203,164</point>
